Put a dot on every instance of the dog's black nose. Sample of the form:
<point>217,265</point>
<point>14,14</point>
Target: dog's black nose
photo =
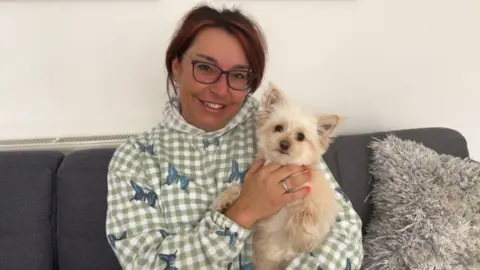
<point>284,145</point>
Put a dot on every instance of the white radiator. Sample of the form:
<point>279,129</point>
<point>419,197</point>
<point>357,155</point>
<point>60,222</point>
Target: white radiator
<point>64,144</point>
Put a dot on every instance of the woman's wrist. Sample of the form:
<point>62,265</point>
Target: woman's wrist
<point>237,213</point>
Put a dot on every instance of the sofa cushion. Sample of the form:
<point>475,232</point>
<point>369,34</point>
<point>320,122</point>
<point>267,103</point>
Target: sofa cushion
<point>427,209</point>
<point>349,157</point>
<point>27,209</point>
<point>82,205</point>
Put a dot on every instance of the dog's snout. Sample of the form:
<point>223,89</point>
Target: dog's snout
<point>284,145</point>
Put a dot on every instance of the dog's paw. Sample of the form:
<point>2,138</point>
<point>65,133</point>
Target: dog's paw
<point>226,198</point>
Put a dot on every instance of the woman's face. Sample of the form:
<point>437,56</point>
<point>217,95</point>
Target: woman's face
<point>209,106</point>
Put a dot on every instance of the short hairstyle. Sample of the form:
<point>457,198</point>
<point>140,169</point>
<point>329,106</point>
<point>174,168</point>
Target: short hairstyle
<point>245,29</point>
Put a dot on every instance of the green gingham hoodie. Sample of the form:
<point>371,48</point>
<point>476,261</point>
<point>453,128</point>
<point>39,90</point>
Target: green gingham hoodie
<point>160,188</point>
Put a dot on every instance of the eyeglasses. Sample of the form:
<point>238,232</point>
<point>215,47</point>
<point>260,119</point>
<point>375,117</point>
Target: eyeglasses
<point>208,73</point>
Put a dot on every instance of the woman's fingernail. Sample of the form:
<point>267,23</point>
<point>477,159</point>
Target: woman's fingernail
<point>308,189</point>
<point>309,174</point>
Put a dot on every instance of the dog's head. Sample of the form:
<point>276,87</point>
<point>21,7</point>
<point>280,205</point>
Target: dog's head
<point>289,134</point>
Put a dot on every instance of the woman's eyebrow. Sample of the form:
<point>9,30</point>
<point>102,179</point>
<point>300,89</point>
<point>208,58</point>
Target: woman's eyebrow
<point>213,60</point>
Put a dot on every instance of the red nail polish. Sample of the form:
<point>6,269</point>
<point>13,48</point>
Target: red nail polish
<point>308,189</point>
<point>309,174</point>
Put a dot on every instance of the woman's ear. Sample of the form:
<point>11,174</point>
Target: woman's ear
<point>176,69</point>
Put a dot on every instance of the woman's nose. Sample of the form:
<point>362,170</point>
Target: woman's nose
<point>221,86</point>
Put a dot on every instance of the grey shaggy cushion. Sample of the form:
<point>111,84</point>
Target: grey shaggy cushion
<point>426,209</point>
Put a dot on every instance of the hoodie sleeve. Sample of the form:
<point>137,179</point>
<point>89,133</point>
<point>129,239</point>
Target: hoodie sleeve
<point>343,247</point>
<point>137,231</point>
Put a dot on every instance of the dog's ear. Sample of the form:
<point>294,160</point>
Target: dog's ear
<point>326,126</point>
<point>273,95</point>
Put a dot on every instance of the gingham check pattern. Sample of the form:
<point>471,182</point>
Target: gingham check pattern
<point>160,188</point>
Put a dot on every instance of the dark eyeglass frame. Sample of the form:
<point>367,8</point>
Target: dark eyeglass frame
<point>226,72</point>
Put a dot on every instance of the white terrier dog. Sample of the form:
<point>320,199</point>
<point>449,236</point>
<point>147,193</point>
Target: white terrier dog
<point>288,134</point>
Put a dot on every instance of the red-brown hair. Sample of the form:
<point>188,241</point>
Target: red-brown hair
<point>233,21</point>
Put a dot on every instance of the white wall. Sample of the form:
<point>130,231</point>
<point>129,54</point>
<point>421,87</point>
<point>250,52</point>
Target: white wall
<point>382,64</point>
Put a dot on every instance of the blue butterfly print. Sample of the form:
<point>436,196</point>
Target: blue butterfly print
<point>149,197</point>
<point>173,176</point>
<point>349,265</point>
<point>164,233</point>
<point>113,239</point>
<point>236,173</point>
<point>146,148</point>
<point>169,259</point>
<point>232,236</point>
<point>206,142</point>
<point>339,190</point>
<point>247,266</point>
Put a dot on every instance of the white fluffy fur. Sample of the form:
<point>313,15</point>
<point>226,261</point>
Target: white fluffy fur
<point>300,226</point>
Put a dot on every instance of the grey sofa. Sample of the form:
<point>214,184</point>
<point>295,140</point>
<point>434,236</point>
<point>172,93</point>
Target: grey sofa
<point>52,206</point>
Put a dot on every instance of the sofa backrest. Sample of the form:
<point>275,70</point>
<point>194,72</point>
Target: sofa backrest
<point>81,211</point>
<point>27,210</point>
<point>53,207</point>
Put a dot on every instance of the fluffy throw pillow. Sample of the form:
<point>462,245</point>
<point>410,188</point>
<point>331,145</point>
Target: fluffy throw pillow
<point>426,209</point>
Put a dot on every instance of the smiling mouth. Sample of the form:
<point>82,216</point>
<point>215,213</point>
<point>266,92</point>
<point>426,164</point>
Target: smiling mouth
<point>211,105</point>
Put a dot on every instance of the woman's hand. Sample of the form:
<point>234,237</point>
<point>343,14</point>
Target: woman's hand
<point>264,194</point>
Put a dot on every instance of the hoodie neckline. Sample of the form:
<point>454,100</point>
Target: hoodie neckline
<point>172,119</point>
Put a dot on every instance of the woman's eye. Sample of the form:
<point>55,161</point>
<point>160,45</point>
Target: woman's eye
<point>278,128</point>
<point>239,76</point>
<point>204,67</point>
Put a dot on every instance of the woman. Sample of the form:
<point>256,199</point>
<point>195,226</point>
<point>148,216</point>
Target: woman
<point>162,183</point>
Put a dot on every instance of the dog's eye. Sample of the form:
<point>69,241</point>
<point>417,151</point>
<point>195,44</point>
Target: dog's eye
<point>278,128</point>
<point>300,136</point>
